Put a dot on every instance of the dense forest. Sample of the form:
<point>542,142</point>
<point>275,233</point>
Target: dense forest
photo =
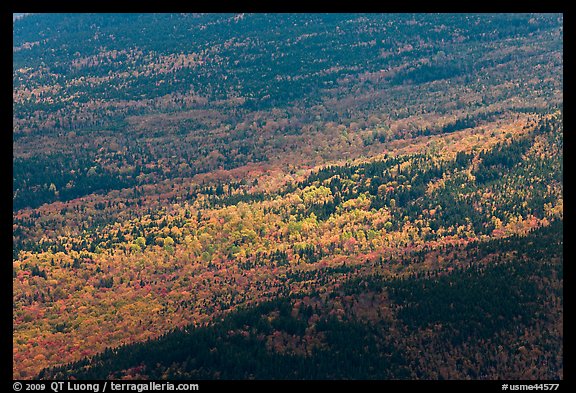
<point>475,322</point>
<point>288,196</point>
<point>104,102</point>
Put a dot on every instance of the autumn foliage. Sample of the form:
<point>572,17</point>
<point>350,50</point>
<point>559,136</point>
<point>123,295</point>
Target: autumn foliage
<point>261,189</point>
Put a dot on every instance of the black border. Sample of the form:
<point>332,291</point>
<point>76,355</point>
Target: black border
<point>6,305</point>
<point>291,6</point>
<point>554,6</point>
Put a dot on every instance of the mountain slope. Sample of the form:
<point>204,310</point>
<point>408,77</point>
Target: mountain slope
<point>196,254</point>
<point>104,102</point>
<point>473,322</point>
<point>171,170</point>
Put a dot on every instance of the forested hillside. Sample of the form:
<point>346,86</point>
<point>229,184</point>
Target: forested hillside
<point>105,102</point>
<point>332,195</point>
<point>474,322</point>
